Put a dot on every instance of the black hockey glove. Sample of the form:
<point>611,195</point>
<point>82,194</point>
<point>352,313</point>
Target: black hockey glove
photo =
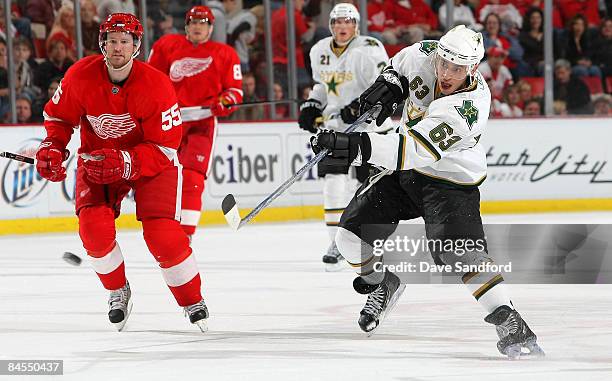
<point>350,112</point>
<point>389,90</point>
<point>343,148</point>
<point>309,112</point>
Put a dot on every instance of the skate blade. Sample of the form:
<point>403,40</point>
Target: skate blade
<point>119,326</point>
<point>533,351</point>
<point>202,324</point>
<point>400,290</point>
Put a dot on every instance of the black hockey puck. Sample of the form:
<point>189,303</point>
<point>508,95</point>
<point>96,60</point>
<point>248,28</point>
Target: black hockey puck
<point>73,259</point>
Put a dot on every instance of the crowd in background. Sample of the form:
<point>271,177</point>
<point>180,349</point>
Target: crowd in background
<point>44,46</point>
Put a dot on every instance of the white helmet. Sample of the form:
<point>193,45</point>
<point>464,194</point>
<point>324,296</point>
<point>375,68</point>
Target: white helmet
<point>461,46</point>
<point>344,10</point>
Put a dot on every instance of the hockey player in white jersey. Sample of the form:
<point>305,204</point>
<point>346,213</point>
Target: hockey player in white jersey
<point>343,66</point>
<point>433,167</point>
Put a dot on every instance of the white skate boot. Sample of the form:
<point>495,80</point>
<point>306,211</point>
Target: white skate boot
<point>120,306</point>
<point>198,313</point>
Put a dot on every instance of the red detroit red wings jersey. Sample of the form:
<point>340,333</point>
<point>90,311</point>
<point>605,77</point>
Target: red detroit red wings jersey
<point>199,73</point>
<point>141,115</point>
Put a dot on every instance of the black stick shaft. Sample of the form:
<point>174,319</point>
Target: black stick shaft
<point>245,104</point>
<point>14,156</point>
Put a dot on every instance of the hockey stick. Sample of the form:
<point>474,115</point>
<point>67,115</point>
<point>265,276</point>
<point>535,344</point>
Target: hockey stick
<point>14,156</point>
<point>202,112</point>
<point>230,207</point>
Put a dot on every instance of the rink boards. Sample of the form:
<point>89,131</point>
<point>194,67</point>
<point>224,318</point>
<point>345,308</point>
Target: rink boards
<point>534,165</point>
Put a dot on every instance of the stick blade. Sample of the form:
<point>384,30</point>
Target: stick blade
<point>230,211</point>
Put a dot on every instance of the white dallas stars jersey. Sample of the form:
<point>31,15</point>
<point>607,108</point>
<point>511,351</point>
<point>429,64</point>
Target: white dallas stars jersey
<point>439,135</point>
<point>340,79</point>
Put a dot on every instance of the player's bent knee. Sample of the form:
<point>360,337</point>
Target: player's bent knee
<point>166,240</point>
<point>463,258</point>
<point>349,245</point>
<point>97,229</point>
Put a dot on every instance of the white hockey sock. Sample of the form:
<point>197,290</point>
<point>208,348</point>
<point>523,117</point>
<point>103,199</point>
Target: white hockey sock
<point>350,246</point>
<point>488,289</point>
<point>338,189</point>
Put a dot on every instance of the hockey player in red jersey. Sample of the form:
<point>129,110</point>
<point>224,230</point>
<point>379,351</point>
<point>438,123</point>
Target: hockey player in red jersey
<point>130,128</point>
<point>204,73</point>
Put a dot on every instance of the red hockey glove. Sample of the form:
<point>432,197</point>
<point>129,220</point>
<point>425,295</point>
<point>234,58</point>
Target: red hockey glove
<point>107,165</point>
<point>223,106</point>
<point>50,156</point>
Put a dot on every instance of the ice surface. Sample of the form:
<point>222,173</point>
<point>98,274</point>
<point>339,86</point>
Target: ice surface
<point>277,315</point>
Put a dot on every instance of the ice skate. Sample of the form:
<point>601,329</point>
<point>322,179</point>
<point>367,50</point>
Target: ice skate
<point>334,261</point>
<point>515,338</point>
<point>381,300</point>
<point>120,306</point>
<point>198,314</point>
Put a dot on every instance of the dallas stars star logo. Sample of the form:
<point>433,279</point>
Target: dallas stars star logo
<point>332,85</point>
<point>468,112</point>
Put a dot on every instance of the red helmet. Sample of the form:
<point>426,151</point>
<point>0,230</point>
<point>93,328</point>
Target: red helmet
<point>121,22</point>
<point>200,12</point>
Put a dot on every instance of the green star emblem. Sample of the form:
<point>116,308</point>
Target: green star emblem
<point>332,85</point>
<point>371,42</point>
<point>468,112</point>
<point>428,46</point>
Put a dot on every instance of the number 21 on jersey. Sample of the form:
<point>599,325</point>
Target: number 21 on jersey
<point>171,118</point>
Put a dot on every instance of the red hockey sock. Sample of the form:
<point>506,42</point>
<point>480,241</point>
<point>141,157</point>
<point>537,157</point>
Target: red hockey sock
<point>97,231</point>
<point>170,247</point>
<point>193,187</point>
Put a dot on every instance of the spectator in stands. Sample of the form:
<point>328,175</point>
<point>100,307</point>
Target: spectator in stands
<point>241,25</point>
<point>531,39</point>
<point>248,89</point>
<point>525,91</point>
<point>63,30</point>
<point>509,108</point>
<point>90,27</point>
<point>580,48</point>
<point>378,19</point>
<point>282,110</point>
<point>22,24</point>
<point>23,106</point>
<point>560,107</point>
<point>494,72</point>
<point>602,55</point>
<point>4,90</point>
<point>3,28</point>
<point>24,68</point>
<point>42,12</point>
<point>571,90</point>
<point>303,32</point>
<point>509,16</point>
<point>602,105</point>
<point>525,5</point>
<point>219,32</point>
<point>107,7</point>
<point>304,93</point>
<point>56,64</point>
<point>493,36</point>
<point>462,14</point>
<point>588,8</point>
<point>414,20</point>
<point>39,103</point>
<point>533,107</point>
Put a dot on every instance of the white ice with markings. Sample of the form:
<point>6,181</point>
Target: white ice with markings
<point>277,315</point>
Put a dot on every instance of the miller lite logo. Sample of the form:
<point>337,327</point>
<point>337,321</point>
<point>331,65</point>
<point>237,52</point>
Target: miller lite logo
<point>188,67</point>
<point>110,126</point>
